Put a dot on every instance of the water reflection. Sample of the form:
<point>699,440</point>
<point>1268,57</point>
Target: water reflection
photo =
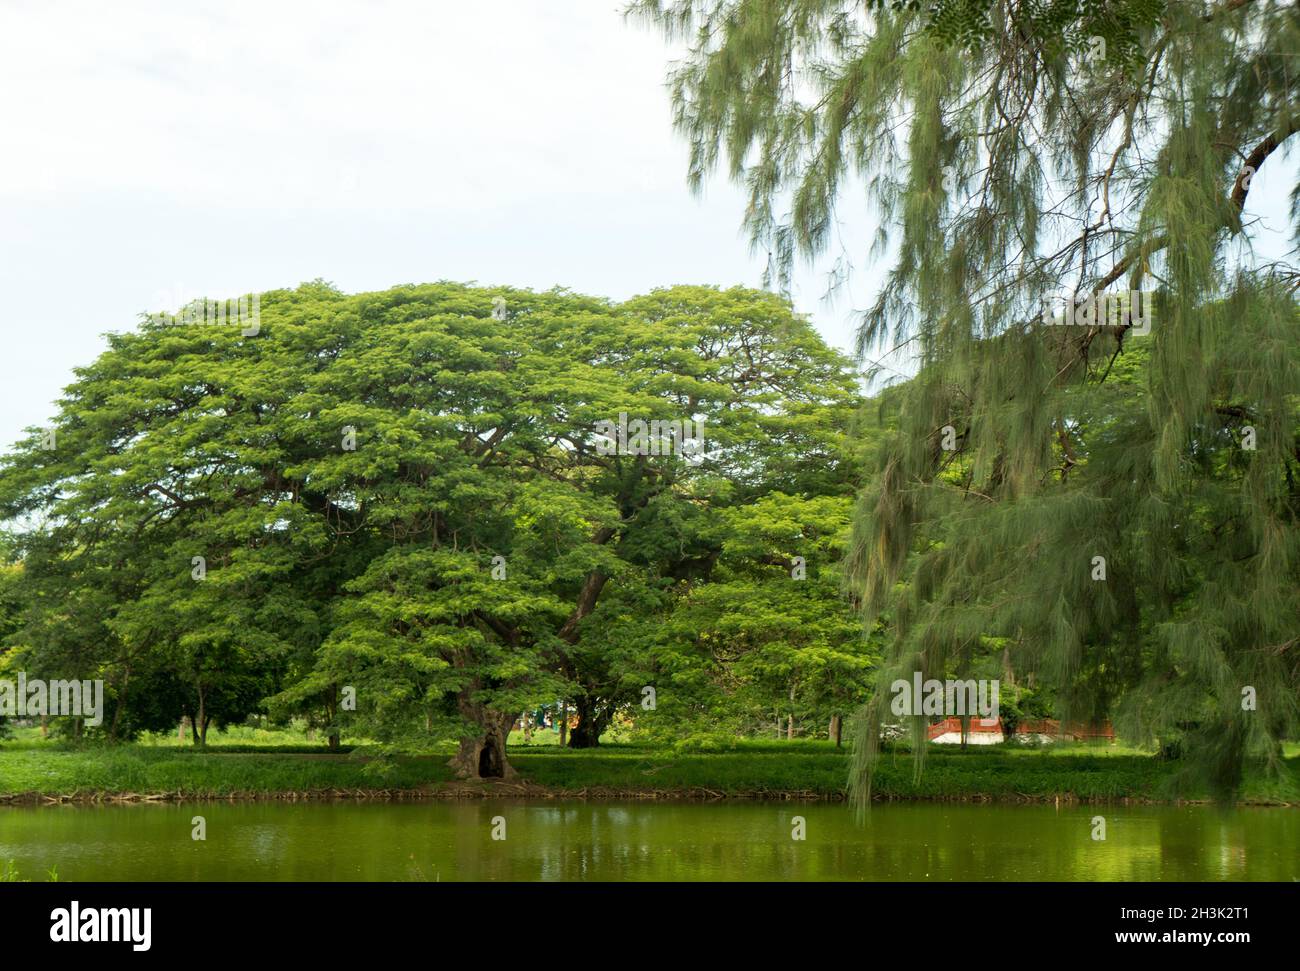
<point>648,841</point>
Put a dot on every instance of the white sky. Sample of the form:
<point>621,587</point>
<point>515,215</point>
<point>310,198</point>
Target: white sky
<point>153,152</point>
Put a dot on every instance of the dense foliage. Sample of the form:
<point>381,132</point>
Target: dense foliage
<point>390,512</point>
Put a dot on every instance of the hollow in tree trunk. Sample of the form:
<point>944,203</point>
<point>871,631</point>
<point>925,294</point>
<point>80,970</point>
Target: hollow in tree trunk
<point>483,755</point>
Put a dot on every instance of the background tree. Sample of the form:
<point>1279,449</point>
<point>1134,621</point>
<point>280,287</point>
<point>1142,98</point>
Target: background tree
<point>767,641</point>
<point>11,612</point>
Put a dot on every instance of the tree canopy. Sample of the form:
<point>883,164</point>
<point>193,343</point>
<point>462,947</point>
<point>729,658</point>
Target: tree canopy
<point>393,511</point>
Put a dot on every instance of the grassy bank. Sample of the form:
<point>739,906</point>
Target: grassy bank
<point>807,769</point>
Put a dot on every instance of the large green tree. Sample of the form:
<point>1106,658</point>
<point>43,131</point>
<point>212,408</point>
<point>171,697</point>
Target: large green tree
<point>1016,151</point>
<point>393,510</point>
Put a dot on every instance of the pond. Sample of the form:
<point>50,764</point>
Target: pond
<point>546,840</point>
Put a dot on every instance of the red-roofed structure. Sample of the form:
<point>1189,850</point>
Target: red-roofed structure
<point>948,731</point>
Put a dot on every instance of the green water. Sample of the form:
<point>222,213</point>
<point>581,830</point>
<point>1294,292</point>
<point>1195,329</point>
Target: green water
<point>647,841</point>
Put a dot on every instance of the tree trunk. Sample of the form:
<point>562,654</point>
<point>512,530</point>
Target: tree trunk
<point>837,729</point>
<point>121,705</point>
<point>592,722</point>
<point>483,755</point>
<point>199,722</point>
<point>564,724</point>
<point>332,712</point>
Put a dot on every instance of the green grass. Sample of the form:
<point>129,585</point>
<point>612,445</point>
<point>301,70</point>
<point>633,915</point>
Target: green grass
<point>9,874</point>
<point>145,770</point>
<point>752,767</point>
<point>1083,772</point>
<point>235,738</point>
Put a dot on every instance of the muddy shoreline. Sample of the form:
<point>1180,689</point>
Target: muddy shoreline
<point>530,790</point>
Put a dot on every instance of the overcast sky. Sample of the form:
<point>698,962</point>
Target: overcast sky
<point>153,152</point>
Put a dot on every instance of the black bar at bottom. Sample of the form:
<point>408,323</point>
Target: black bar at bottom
<point>586,922</point>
